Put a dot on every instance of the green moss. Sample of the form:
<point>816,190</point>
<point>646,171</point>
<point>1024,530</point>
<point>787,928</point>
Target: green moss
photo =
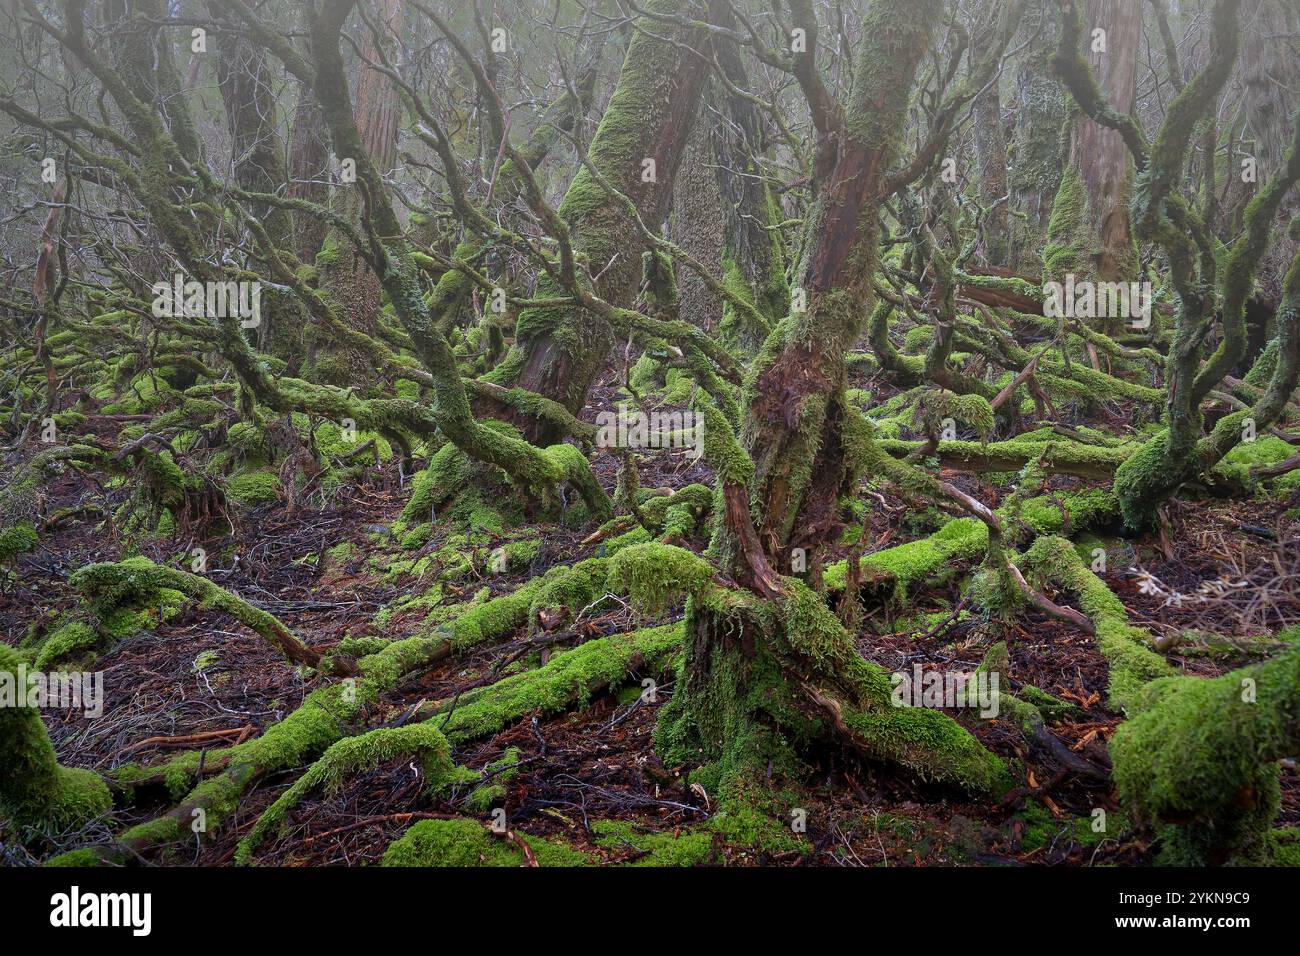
<point>1041,830</point>
<point>73,640</point>
<point>1199,759</point>
<point>75,858</point>
<point>253,487</point>
<point>16,540</point>
<point>567,679</point>
<point>1067,247</point>
<point>754,817</point>
<point>1286,846</point>
<point>351,755</point>
<point>467,843</point>
<point>1126,648</point>
<point>649,573</point>
<point>343,552</point>
<point>498,775</point>
<point>35,790</point>
<point>911,563</point>
<point>654,849</point>
<point>332,443</point>
<point>565,591</point>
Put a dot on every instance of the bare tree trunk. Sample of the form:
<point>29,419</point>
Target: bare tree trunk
<point>1272,75</point>
<point>1091,234</point>
<point>257,157</point>
<point>699,222</point>
<point>991,152</point>
<point>309,172</point>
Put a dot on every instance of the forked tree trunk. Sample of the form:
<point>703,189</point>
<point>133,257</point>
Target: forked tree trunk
<point>767,672</point>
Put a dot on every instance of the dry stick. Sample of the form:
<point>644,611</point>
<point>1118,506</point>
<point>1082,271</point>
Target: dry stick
<point>1038,599</point>
<point>766,580</point>
<point>1281,468</point>
<point>1025,373</point>
<point>1048,606</point>
<point>185,739</point>
<point>382,818</point>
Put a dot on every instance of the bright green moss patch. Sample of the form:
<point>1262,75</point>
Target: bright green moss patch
<point>421,741</point>
<point>468,843</point>
<point>650,573</point>
<point>253,487</point>
<point>72,641</point>
<point>16,540</point>
<point>654,849</point>
<point>75,858</point>
<point>1199,759</point>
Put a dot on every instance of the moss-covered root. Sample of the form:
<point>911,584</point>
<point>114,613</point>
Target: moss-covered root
<point>35,790</point>
<point>104,584</point>
<point>893,571</point>
<point>462,487</point>
<point>1199,760</point>
<point>567,680</point>
<point>352,755</point>
<point>1127,649</point>
<point>327,715</point>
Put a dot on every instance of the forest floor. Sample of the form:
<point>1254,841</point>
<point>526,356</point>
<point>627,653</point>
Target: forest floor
<point>201,672</point>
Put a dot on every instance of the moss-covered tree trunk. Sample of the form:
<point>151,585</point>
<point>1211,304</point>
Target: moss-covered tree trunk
<point>637,147</point>
<point>1042,108</point>
<point>257,157</point>
<point>352,283</point>
<point>766,673</point>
